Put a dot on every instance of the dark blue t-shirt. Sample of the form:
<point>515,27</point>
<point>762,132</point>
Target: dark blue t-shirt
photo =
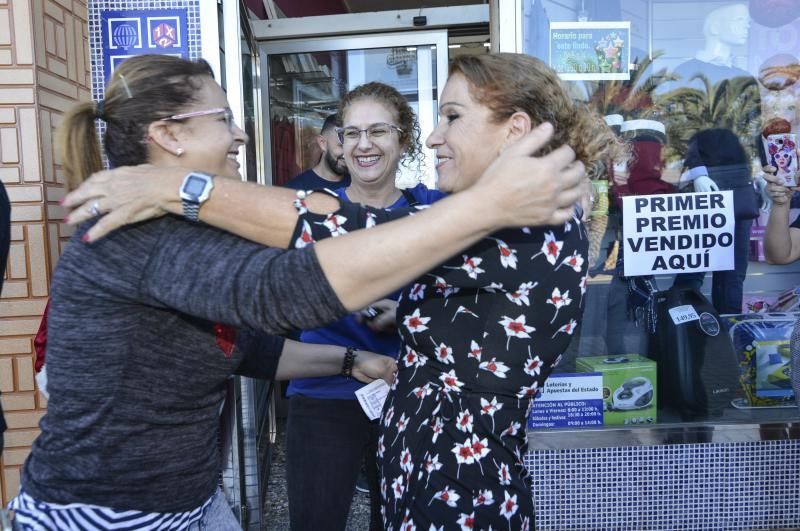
<point>349,332</point>
<point>309,180</point>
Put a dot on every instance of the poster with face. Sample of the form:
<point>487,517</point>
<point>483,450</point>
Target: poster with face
<point>782,154</point>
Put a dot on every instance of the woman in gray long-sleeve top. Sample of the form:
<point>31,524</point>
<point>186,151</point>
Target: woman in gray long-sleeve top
<point>142,331</point>
<point>143,327</point>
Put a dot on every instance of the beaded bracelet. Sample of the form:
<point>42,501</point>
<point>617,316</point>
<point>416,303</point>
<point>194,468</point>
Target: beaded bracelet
<point>348,362</point>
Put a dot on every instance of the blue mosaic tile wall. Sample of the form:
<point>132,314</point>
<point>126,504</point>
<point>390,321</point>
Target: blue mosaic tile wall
<point>96,10</point>
<point>678,487</point>
<point>98,7</point>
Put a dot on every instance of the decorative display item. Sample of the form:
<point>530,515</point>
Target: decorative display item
<point>782,155</point>
<point>761,342</point>
<point>609,53</point>
<point>629,387</point>
<point>774,13</point>
<point>591,50</point>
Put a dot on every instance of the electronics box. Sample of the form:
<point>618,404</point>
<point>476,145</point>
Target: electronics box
<point>629,387</point>
<point>761,342</point>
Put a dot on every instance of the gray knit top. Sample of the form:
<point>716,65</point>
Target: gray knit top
<point>141,342</point>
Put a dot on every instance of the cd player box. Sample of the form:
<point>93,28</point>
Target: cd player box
<point>629,387</point>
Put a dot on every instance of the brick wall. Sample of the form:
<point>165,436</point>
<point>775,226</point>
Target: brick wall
<point>44,69</point>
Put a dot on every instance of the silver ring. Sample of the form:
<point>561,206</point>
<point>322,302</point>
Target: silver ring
<point>94,209</point>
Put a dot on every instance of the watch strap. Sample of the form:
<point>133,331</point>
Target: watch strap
<point>191,210</point>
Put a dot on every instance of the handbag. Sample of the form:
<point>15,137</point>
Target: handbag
<point>736,178</point>
<point>697,367</point>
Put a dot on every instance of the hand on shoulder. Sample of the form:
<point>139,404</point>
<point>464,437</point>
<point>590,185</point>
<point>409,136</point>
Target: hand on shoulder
<point>522,189</point>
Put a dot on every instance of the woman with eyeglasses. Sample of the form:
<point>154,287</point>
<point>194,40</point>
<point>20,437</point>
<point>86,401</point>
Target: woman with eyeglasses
<point>141,335</point>
<point>482,330</point>
<point>148,324</point>
<point>328,436</point>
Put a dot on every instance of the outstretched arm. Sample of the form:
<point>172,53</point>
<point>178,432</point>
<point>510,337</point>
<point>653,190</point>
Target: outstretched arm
<point>275,358</point>
<point>781,241</point>
<point>517,189</point>
<point>308,360</point>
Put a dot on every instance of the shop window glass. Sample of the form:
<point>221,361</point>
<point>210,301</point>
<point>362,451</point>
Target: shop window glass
<point>305,88</point>
<point>693,87</point>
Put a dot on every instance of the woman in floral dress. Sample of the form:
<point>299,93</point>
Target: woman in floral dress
<point>482,331</point>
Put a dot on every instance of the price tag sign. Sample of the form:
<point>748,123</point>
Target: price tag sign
<point>569,400</point>
<point>683,314</point>
<point>371,397</point>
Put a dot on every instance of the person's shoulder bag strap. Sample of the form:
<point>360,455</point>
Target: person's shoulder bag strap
<point>410,199</point>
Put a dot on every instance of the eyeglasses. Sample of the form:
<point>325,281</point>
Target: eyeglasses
<point>229,120</point>
<point>351,135</point>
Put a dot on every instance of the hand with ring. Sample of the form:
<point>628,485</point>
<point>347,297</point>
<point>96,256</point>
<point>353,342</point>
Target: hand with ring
<point>129,194</point>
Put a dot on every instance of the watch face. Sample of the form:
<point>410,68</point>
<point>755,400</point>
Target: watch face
<point>194,186</point>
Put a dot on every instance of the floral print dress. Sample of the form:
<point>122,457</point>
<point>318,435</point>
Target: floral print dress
<point>480,333</point>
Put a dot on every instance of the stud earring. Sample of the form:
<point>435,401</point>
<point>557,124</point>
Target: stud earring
<point>179,152</point>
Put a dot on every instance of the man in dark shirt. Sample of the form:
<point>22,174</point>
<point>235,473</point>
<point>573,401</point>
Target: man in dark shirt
<point>330,171</point>
<point>5,243</point>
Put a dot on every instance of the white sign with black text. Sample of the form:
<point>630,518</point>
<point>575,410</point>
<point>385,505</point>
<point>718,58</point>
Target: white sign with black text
<point>678,233</point>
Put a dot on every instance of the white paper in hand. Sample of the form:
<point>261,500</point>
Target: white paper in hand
<point>372,396</point>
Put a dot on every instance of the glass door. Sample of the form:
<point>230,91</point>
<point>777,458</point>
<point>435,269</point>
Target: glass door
<point>248,417</point>
<point>305,79</point>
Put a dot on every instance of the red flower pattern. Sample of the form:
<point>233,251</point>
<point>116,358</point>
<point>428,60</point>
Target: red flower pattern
<point>466,521</point>
<point>436,434</point>
<point>416,292</point>
<point>448,496</point>
<point>305,238</point>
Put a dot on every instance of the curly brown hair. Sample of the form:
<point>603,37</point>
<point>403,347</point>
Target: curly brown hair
<point>406,118</point>
<point>507,83</point>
